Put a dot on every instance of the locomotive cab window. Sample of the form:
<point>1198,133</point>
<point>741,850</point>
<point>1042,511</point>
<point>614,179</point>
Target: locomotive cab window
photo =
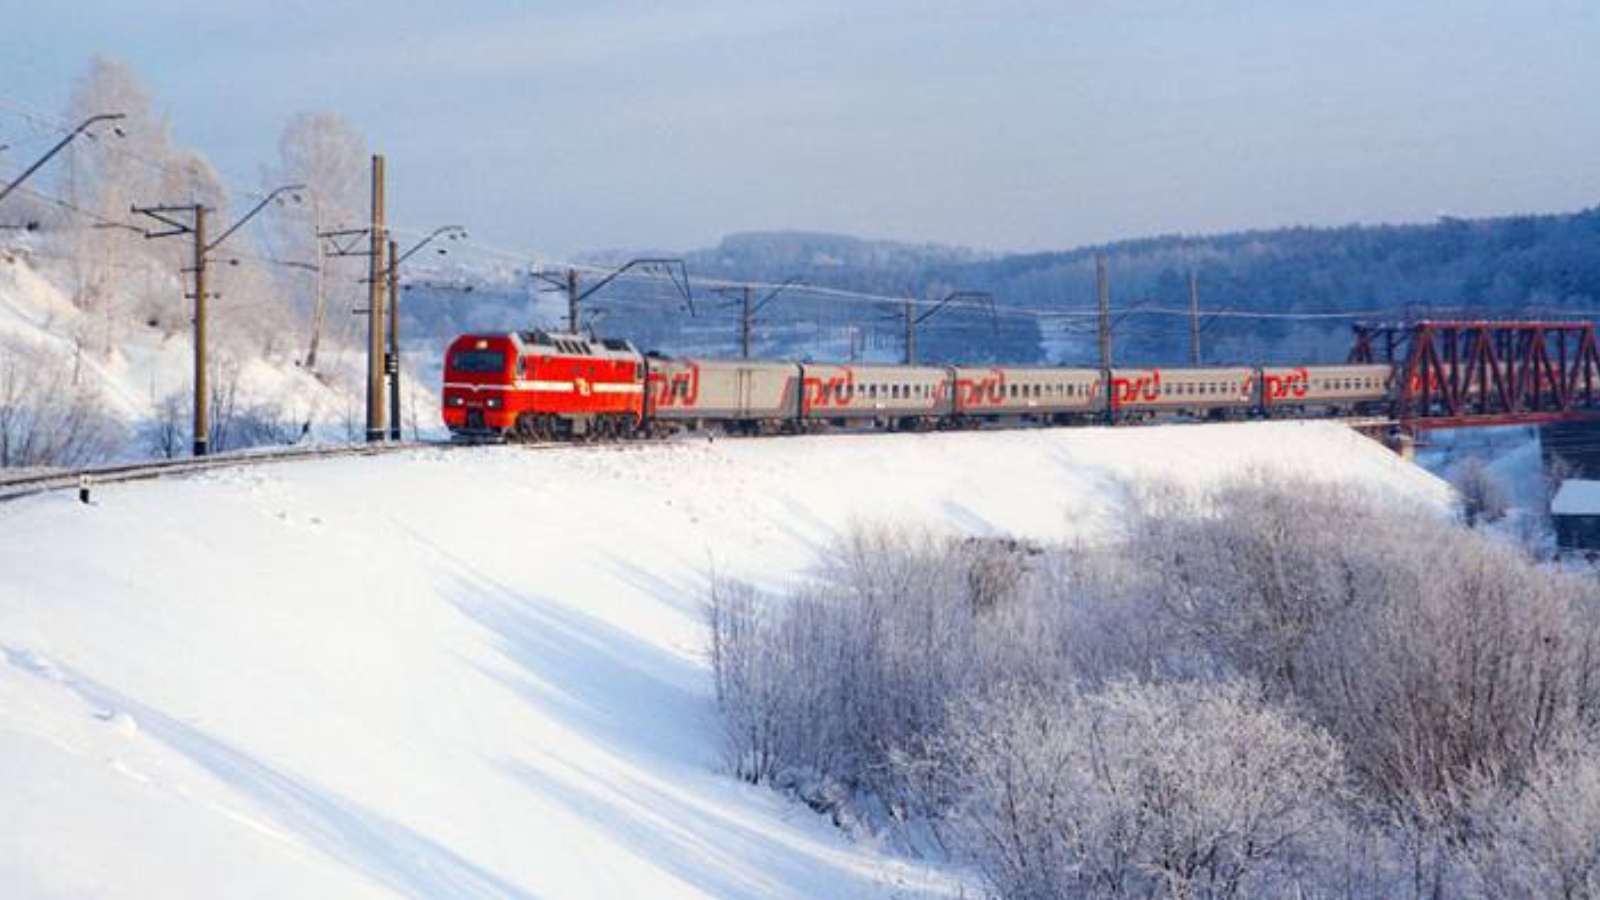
<point>490,361</point>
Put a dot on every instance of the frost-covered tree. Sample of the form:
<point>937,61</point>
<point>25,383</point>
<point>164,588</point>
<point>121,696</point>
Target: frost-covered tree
<point>1544,839</point>
<point>117,274</point>
<point>324,152</point>
<point>1179,791</point>
<point>1442,659</point>
<point>104,177</point>
<point>1481,495</point>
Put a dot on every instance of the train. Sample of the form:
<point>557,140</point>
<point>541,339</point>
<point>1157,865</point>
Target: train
<point>549,386</point>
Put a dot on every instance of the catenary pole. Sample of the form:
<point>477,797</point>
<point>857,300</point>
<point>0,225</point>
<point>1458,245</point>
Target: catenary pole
<point>573,319</point>
<point>375,290</point>
<point>911,333</point>
<point>1103,296</point>
<point>744,325</point>
<point>202,411</point>
<point>391,363</point>
<point>1194,316</point>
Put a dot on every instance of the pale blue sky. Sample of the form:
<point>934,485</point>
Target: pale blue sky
<point>1005,125</point>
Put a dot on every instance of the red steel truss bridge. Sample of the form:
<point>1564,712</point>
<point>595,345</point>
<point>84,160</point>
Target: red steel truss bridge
<point>1463,374</point>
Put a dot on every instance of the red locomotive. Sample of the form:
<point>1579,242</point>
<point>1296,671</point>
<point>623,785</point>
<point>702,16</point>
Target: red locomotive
<point>536,385</point>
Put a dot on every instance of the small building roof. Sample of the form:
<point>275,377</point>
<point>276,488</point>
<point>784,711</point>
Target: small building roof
<point>1576,497</point>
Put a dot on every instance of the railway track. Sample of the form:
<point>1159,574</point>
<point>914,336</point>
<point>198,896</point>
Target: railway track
<point>67,479</point>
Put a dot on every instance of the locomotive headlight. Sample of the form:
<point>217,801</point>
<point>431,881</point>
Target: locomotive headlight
<point>455,400</point>
<point>492,403</point>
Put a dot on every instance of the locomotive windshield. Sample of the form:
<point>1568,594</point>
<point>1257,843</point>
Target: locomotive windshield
<point>492,361</point>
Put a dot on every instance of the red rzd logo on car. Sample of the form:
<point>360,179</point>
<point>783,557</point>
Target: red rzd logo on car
<point>989,390</point>
<point>1294,385</point>
<point>679,389</point>
<point>1146,388</point>
<point>838,391</point>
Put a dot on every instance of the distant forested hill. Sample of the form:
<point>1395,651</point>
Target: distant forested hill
<point>1538,265</point>
<point>1546,265</point>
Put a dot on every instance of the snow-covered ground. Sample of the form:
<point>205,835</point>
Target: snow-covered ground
<point>479,674</point>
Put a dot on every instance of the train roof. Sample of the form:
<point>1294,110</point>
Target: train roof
<point>575,344</point>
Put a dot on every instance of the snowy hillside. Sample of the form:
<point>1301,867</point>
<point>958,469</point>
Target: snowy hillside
<point>137,372</point>
<point>480,674</point>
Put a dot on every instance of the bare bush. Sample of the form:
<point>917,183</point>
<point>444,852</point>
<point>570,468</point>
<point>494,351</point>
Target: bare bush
<point>166,435</point>
<point>234,423</point>
<point>237,422</point>
<point>47,417</point>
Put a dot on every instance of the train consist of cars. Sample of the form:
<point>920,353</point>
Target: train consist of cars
<point>544,386</point>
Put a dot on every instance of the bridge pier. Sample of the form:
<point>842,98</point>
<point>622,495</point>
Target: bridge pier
<point>1401,440</point>
<point>1403,443</point>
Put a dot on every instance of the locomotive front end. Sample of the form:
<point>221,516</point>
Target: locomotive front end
<point>477,384</point>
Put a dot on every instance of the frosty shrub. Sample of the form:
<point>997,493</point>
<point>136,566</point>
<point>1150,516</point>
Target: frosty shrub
<point>832,677</point>
<point>47,417</point>
<point>1544,840</point>
<point>1072,718</point>
<point>1182,791</point>
<point>1482,497</point>
<point>1445,662</point>
<point>232,426</point>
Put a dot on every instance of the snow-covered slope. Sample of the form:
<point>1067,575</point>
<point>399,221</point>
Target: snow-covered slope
<point>479,674</point>
<point>135,367</point>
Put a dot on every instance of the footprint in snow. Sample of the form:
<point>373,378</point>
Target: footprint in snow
<point>32,661</point>
<point>120,721</point>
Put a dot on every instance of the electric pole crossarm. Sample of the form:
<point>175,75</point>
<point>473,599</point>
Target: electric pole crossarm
<point>677,270</point>
<point>455,232</point>
<point>958,296</point>
<point>556,283</point>
<point>59,146</point>
<point>252,213</point>
<point>163,214</point>
<point>345,242</point>
<point>773,294</point>
<point>748,309</point>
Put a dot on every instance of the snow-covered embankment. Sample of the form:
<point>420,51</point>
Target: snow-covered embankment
<point>479,674</point>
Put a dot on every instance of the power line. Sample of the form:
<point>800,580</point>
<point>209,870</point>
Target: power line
<point>60,126</point>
